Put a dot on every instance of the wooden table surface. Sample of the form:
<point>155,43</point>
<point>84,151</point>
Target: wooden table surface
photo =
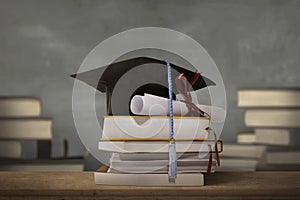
<point>78,185</point>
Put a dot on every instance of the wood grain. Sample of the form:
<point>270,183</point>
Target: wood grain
<point>81,184</point>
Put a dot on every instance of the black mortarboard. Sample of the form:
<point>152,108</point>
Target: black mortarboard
<point>136,76</point>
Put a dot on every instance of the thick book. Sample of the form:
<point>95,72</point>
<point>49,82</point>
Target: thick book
<point>154,127</point>
<point>269,98</point>
<point>279,118</point>
<point>55,148</point>
<point>147,146</point>
<point>161,166</point>
<point>189,179</point>
<point>26,128</point>
<point>283,157</point>
<point>42,165</point>
<point>18,149</point>
<point>270,136</point>
<point>246,138</point>
<point>280,167</point>
<point>19,106</point>
<point>282,137</point>
<point>153,156</point>
<point>238,164</point>
<point>243,151</point>
<point>163,170</point>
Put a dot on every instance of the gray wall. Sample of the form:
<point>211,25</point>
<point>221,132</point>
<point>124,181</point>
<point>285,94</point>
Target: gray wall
<point>254,44</point>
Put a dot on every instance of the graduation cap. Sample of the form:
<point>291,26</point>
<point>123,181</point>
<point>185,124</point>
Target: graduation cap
<point>136,76</point>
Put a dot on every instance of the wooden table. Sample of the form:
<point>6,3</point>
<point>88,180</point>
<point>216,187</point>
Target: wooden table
<point>79,185</point>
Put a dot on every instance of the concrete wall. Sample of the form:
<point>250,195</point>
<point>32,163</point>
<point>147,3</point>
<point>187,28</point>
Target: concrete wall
<point>254,43</point>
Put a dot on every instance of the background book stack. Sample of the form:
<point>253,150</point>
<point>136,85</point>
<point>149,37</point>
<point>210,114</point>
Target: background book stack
<point>274,114</point>
<point>26,140</point>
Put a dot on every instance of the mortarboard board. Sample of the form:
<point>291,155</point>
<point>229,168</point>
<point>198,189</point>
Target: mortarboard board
<point>124,79</point>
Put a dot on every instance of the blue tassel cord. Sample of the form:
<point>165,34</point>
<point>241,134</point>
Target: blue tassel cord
<point>172,147</point>
<point>172,161</point>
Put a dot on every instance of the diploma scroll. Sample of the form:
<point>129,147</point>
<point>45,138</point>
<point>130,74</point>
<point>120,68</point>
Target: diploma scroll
<point>156,105</point>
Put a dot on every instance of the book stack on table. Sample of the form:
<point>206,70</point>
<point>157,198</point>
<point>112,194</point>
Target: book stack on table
<point>274,116</point>
<point>140,146</point>
<point>26,139</point>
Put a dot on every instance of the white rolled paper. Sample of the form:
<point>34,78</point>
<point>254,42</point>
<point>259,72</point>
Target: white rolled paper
<point>156,105</point>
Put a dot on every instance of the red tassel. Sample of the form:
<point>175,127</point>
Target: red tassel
<point>210,160</point>
<point>216,150</point>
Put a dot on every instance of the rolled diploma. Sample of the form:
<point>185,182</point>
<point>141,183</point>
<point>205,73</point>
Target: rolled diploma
<point>156,105</point>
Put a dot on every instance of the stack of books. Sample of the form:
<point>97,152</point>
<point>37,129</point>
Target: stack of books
<point>26,140</point>
<point>140,150</point>
<point>274,116</point>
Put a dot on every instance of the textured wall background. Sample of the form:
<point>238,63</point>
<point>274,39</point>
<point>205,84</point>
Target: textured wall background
<point>254,43</point>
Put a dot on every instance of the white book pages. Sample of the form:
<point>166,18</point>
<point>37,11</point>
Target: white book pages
<point>42,167</point>
<point>193,179</point>
<point>243,151</point>
<point>150,166</point>
<point>283,158</point>
<point>157,147</point>
<point>20,107</point>
<point>144,127</point>
<point>156,105</point>
<point>160,163</point>
<point>160,169</point>
<point>272,118</point>
<point>246,138</point>
<point>32,128</point>
<point>277,98</point>
<point>273,136</point>
<point>154,156</point>
<point>237,164</point>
